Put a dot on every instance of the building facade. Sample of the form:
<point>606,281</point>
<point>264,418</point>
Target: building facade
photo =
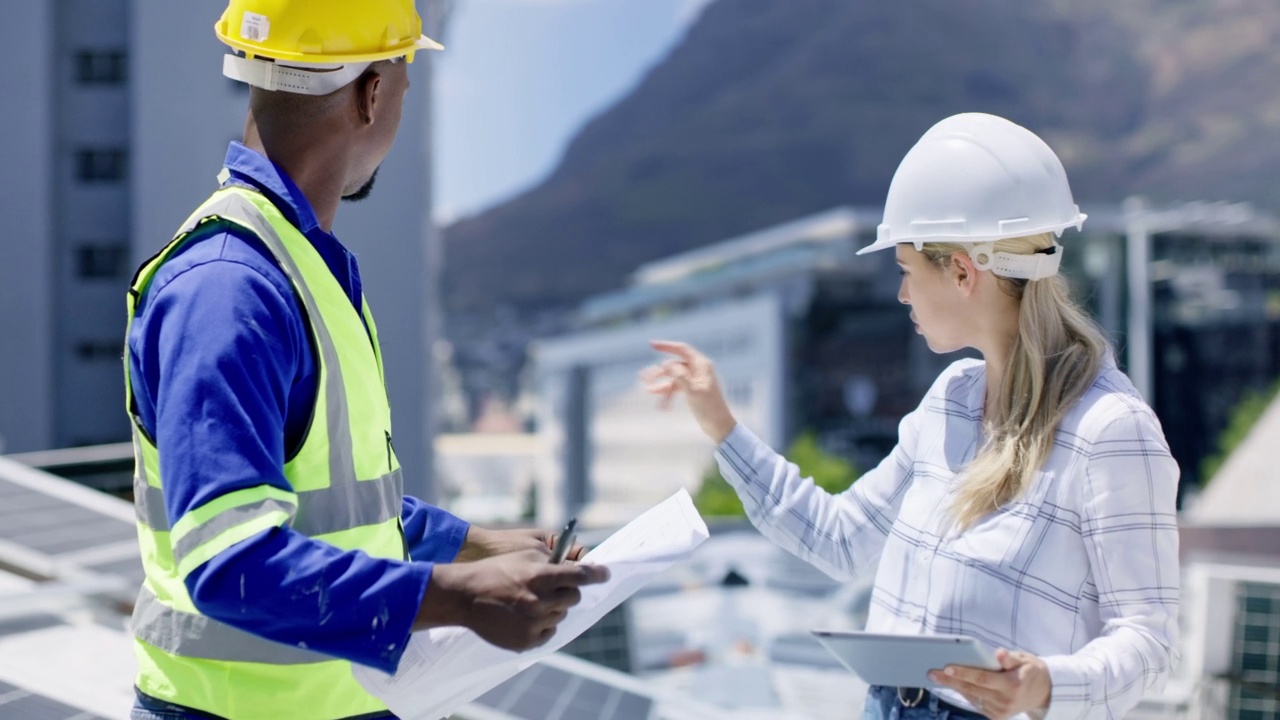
<point>122,123</point>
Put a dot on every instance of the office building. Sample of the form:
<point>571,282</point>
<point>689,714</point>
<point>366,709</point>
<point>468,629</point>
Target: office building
<point>120,119</point>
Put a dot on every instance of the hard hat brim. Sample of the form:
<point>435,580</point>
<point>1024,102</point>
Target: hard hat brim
<point>252,50</point>
<point>887,243</point>
<point>426,43</point>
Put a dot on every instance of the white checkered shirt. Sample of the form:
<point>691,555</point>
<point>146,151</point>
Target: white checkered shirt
<point>1082,570</point>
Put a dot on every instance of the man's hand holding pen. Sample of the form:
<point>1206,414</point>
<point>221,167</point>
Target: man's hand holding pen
<point>511,587</point>
<point>483,543</point>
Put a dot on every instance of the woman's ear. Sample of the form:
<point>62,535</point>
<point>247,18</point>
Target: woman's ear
<point>963,272</point>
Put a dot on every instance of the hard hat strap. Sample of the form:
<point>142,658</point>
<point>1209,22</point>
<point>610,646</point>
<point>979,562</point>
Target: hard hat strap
<point>270,75</point>
<point>1037,266</point>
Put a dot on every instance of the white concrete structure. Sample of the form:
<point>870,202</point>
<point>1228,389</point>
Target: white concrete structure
<point>608,430</point>
<point>1246,489</point>
<point>486,477</point>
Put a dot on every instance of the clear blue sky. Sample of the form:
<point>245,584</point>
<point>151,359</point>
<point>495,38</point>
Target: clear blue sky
<point>519,77</point>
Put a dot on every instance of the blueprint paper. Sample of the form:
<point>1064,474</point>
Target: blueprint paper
<point>443,669</point>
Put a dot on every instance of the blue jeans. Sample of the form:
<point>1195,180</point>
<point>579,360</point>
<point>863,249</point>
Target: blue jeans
<point>883,704</point>
<point>146,707</point>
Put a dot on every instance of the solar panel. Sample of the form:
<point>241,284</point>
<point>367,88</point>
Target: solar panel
<point>1256,653</point>
<point>27,623</point>
<point>129,568</point>
<point>590,700</point>
<point>55,526</point>
<point>547,692</point>
<point>52,525</point>
<point>65,530</point>
<point>632,707</point>
<point>538,701</point>
<point>19,704</point>
<point>608,642</point>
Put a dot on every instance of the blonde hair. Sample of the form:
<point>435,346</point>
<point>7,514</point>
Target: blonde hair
<point>1056,356</point>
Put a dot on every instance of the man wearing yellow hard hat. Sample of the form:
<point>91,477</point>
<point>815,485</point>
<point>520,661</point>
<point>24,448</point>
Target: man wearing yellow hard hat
<point>278,545</point>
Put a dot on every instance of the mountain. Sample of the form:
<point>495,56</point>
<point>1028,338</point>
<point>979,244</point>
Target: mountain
<point>770,110</point>
<point>1211,121</point>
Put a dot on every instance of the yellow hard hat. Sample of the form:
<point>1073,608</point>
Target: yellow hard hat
<point>298,38</point>
<point>324,31</point>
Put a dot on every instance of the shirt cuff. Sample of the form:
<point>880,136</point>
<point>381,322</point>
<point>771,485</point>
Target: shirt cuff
<point>457,537</point>
<point>740,433</point>
<point>740,454</point>
<point>432,533</point>
<point>1069,698</point>
<point>399,627</point>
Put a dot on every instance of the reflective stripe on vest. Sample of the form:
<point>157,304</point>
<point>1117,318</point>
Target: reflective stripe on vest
<point>193,660</point>
<point>197,636</point>
<point>320,512</point>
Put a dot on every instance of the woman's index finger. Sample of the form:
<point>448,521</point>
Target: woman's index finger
<point>683,350</point>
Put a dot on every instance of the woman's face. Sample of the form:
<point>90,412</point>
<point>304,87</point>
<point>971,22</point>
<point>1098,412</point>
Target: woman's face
<point>938,308</point>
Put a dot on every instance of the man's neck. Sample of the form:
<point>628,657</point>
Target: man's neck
<point>314,166</point>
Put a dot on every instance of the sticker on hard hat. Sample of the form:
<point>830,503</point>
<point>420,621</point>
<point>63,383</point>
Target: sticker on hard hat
<point>255,27</point>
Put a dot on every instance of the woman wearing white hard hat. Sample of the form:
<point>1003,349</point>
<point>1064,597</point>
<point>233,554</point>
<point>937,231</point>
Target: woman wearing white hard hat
<point>1029,502</point>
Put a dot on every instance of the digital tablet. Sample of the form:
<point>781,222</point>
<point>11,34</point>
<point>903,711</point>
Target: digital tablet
<point>904,660</point>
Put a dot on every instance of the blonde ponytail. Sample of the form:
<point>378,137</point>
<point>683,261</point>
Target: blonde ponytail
<point>1057,354</point>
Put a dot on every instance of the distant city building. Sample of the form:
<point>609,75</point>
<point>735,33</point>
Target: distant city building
<point>123,123</point>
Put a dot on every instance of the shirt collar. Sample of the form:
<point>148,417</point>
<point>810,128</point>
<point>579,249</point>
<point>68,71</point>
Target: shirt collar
<point>249,166</point>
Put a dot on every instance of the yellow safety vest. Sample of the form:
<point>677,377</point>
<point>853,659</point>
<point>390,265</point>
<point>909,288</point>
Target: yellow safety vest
<point>347,491</point>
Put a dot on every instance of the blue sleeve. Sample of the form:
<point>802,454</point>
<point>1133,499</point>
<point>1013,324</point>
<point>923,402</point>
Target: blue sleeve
<point>432,534</point>
<point>214,354</point>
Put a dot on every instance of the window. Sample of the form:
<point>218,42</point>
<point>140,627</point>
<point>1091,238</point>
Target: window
<point>101,261</point>
<point>101,165</point>
<point>101,67</point>
<point>96,350</point>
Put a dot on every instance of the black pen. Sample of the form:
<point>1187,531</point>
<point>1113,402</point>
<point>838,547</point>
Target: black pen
<point>564,542</point>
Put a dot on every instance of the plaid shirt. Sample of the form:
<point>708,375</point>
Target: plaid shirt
<point>1081,570</point>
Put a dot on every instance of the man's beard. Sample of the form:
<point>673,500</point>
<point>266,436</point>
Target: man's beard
<point>364,190</point>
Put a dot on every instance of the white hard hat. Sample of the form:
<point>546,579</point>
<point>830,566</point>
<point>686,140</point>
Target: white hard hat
<point>977,178</point>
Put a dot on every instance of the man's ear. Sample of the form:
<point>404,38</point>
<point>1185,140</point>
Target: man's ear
<point>368,87</point>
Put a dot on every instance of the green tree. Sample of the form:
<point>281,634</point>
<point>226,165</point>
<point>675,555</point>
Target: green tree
<point>529,506</point>
<point>1243,418</point>
<point>716,498</point>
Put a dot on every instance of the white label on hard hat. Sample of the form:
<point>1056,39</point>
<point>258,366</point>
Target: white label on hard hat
<point>255,27</point>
